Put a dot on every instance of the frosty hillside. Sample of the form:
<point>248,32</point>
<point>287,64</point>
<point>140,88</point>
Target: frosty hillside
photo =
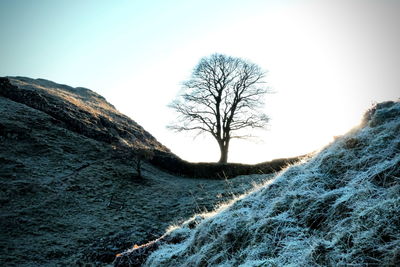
<point>200,133</point>
<point>340,208</point>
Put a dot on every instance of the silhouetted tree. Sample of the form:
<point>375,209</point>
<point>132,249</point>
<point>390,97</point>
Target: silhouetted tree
<point>137,154</point>
<point>140,155</point>
<point>223,96</point>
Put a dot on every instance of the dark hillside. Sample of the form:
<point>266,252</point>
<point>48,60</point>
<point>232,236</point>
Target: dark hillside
<point>87,113</point>
<point>68,195</point>
<point>80,110</point>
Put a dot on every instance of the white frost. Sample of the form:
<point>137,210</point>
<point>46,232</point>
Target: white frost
<point>340,208</point>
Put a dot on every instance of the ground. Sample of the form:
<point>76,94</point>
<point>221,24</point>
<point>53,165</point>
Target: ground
<point>68,199</point>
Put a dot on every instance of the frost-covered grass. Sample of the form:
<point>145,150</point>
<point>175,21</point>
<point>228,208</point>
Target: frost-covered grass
<point>339,208</point>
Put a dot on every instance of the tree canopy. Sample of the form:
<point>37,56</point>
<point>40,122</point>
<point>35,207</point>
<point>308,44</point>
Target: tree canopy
<point>223,97</point>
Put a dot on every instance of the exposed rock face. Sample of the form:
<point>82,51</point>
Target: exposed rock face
<point>80,110</point>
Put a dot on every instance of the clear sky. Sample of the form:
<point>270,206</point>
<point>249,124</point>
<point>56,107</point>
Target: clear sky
<point>327,61</point>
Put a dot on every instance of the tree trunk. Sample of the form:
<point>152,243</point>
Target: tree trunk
<point>223,146</point>
<point>139,167</point>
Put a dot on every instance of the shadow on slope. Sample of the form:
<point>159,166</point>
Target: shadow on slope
<point>67,199</point>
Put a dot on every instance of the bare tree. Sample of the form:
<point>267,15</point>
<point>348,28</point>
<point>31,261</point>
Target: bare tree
<point>141,155</point>
<point>223,97</point>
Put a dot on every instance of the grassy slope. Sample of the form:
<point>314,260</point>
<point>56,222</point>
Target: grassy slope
<point>340,208</point>
<point>55,186</point>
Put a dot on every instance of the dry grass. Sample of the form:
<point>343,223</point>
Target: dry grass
<point>94,107</point>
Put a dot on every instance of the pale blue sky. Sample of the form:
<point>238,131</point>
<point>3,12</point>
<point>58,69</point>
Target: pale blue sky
<point>71,40</point>
<point>327,60</point>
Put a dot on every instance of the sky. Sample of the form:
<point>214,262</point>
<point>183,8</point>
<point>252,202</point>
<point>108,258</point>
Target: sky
<point>327,61</point>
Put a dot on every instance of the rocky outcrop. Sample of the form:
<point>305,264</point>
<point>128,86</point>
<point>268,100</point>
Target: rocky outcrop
<point>80,110</point>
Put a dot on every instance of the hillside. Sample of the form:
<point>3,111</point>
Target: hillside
<point>79,110</point>
<point>68,196</point>
<point>339,208</point>
<point>86,113</point>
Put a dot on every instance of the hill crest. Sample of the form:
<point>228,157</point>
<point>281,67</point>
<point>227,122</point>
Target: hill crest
<point>80,110</point>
